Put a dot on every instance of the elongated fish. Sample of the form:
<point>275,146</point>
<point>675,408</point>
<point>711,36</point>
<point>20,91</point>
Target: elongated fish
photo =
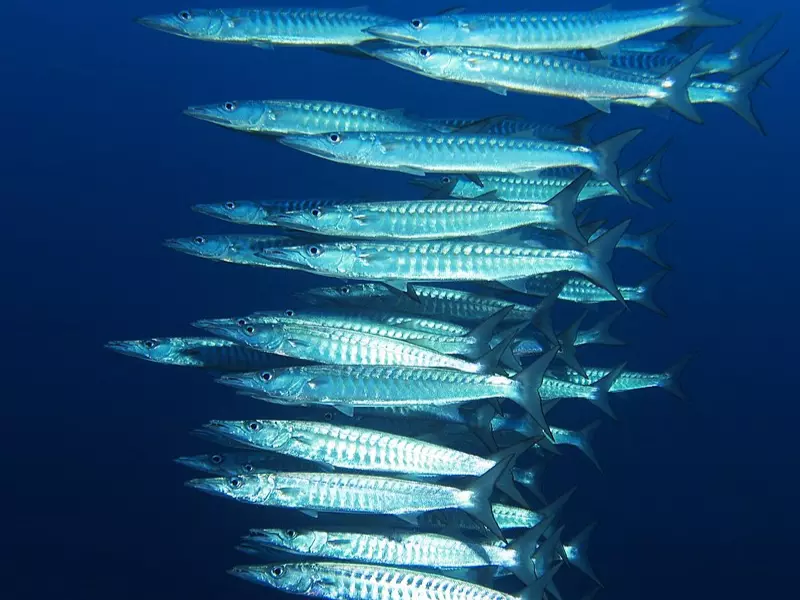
<point>406,549</point>
<point>205,353</point>
<point>439,219</point>
<point>259,213</point>
<point>350,387</point>
<point>357,493</point>
<point>229,464</point>
<point>546,31</point>
<point>359,449</point>
<point>332,345</point>
<point>303,117</point>
<point>503,71</point>
<point>418,154</point>
<point>401,262</point>
<point>239,249</point>
<point>264,28</point>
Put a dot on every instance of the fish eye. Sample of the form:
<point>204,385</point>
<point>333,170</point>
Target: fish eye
<point>266,376</point>
<point>235,483</point>
<point>328,416</point>
<point>229,106</point>
<point>199,240</point>
<point>216,459</point>
<point>315,212</point>
<point>314,251</point>
<point>276,571</point>
<point>335,138</point>
<point>249,330</point>
<point>150,344</point>
<point>230,205</point>
<point>185,15</point>
<point>291,533</point>
<point>445,180</point>
<point>254,426</point>
<point>289,312</point>
<point>424,52</point>
<point>248,468</point>
<point>345,289</point>
<point>417,23</point>
<point>241,322</point>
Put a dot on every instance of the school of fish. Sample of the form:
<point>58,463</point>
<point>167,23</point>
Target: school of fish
<point>425,373</point>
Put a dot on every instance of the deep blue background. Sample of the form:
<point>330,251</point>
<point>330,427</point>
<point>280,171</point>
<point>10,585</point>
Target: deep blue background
<point>99,166</point>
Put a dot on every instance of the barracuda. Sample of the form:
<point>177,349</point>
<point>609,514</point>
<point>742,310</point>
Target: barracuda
<point>350,581</point>
<point>418,154</point>
<point>204,353</point>
<point>553,389</point>
<point>357,493</point>
<point>408,549</point>
<point>581,291</point>
<point>331,345</point>
<point>503,71</point>
<point>258,213</point>
<point>403,262</point>
<point>239,249</point>
<point>439,219</point>
<point>282,117</point>
<point>229,464</point>
<point>546,31</point>
<point>359,449</point>
<point>350,387</point>
<point>264,27</point>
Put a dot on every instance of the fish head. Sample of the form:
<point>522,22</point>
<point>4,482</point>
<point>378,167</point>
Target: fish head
<point>223,464</point>
<point>161,350</point>
<point>240,212</point>
<point>214,247</point>
<point>292,540</point>
<point>196,24</point>
<point>274,383</point>
<point>259,335</point>
<point>253,489</point>
<point>335,259</point>
<point>442,30</point>
<point>258,433</point>
<point>320,219</point>
<point>250,116</point>
<point>293,578</point>
<point>358,294</point>
<point>350,147</point>
<point>433,61</point>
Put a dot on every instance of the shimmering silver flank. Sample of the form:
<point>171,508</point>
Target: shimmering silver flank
<point>417,154</point>
<point>452,261</point>
<point>577,132</point>
<point>357,493</point>
<point>546,31</point>
<point>265,27</point>
<point>284,117</point>
<point>205,353</point>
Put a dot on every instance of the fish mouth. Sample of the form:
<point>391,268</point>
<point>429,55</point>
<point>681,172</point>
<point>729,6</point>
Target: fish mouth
<point>214,327</point>
<point>236,381</point>
<point>122,347</point>
<point>206,209</point>
<point>206,113</point>
<point>247,572</point>
<point>211,486</point>
<point>279,255</point>
<point>190,462</point>
<point>304,144</point>
<point>165,23</point>
<point>391,34</point>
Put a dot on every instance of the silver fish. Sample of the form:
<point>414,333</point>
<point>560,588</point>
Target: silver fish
<point>418,154</point>
<point>239,249</point>
<point>229,464</point>
<point>546,31</point>
<point>258,213</point>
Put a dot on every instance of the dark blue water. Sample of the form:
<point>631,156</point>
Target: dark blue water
<point>99,166</point>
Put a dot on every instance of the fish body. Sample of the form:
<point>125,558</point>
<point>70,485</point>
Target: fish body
<point>576,132</point>
<point>303,117</point>
<point>521,189</point>
<point>545,31</point>
<point>429,219</point>
<point>507,517</point>
<point>265,27</point>
<point>204,353</point>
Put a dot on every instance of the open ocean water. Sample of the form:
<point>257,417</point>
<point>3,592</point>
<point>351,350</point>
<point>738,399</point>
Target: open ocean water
<point>697,499</point>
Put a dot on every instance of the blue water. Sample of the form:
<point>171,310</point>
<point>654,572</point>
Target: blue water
<point>99,166</point>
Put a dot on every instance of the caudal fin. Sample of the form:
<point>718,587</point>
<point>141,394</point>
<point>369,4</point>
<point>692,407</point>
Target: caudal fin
<point>554,508</point>
<point>567,352</point>
<point>741,53</point>
<point>671,380</point>
<point>600,332</point>
<point>645,293</point>
<point>577,552</point>
<point>601,250</point>
<point>505,483</point>
<point>528,392</point>
<point>543,313</point>
<point>525,547</point>
<point>685,40</point>
<point>740,101</point>
<point>676,85</point>
<point>608,153</point>
<point>584,440</point>
<point>563,206</point>
<point>484,332</point>
<point>580,129</point>
<point>480,507</point>
<point>601,394</point>
<point>490,362</point>
<point>536,591</point>
<point>697,16</point>
<point>648,244</point>
<point>650,175</point>
<point>629,179</point>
